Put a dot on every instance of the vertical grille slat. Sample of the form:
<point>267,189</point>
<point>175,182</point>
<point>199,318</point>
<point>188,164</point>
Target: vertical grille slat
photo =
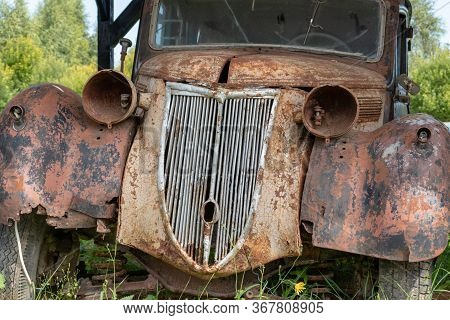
<point>246,193</point>
<point>224,173</point>
<point>234,178</point>
<point>184,173</point>
<point>189,170</point>
<point>195,178</point>
<point>212,151</point>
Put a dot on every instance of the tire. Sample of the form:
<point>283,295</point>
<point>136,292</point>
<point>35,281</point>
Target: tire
<point>405,280</point>
<point>32,230</point>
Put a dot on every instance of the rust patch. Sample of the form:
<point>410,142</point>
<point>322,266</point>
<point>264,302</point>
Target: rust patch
<point>109,97</point>
<point>383,194</point>
<point>72,220</point>
<point>299,70</point>
<point>187,66</point>
<point>60,154</point>
<point>330,111</point>
<point>274,70</point>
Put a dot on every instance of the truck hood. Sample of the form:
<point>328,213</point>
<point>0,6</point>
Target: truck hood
<point>270,70</point>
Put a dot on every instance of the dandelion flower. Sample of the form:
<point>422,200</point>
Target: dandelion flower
<point>299,288</point>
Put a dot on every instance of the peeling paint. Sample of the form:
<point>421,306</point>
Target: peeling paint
<point>60,154</point>
<point>383,200</point>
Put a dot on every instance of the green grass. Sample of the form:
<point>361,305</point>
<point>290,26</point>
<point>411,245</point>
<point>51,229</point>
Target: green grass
<point>63,284</point>
<point>441,277</point>
<point>2,281</point>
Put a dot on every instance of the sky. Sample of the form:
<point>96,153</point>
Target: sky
<point>442,9</point>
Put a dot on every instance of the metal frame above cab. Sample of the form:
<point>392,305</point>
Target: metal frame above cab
<point>110,31</point>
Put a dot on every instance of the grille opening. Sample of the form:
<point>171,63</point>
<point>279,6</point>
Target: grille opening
<point>210,152</point>
<point>223,78</point>
<point>212,255</point>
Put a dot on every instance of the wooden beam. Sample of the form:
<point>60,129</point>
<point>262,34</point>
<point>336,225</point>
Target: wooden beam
<point>102,11</point>
<point>105,58</point>
<point>125,21</point>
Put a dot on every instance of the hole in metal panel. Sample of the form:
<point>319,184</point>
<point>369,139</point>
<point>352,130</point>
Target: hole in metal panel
<point>209,214</point>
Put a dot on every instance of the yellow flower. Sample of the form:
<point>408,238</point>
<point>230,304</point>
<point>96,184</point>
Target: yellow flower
<point>299,288</point>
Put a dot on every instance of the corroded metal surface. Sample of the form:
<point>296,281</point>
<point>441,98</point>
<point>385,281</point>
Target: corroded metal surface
<point>271,70</point>
<point>109,97</point>
<point>143,223</point>
<point>275,70</point>
<point>60,157</point>
<point>187,66</point>
<point>72,220</point>
<point>330,111</point>
<point>233,286</point>
<point>383,194</point>
<point>299,70</point>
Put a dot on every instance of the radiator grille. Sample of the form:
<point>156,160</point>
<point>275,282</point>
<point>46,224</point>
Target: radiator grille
<point>370,108</point>
<point>213,149</point>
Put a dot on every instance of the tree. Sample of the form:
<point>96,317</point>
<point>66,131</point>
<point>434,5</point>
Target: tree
<point>14,20</point>
<point>14,23</point>
<point>62,30</point>
<point>76,76</point>
<point>428,28</point>
<point>128,67</point>
<point>429,63</point>
<point>5,81</point>
<point>21,55</point>
<point>54,46</point>
<point>433,75</point>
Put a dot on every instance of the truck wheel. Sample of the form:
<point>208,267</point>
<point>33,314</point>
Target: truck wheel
<point>405,280</point>
<point>32,230</point>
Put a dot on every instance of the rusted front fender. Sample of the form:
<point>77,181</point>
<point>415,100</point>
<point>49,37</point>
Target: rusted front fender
<point>57,158</point>
<point>382,194</point>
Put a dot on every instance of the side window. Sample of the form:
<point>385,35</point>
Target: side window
<point>401,99</point>
<point>401,59</point>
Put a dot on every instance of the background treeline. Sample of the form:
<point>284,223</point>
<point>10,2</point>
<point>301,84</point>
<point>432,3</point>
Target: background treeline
<point>54,45</point>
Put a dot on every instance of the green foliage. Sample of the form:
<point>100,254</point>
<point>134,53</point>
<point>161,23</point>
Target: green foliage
<point>433,75</point>
<point>14,20</point>
<point>441,279</point>
<point>53,46</point>
<point>75,77</point>
<point>128,68</point>
<point>428,28</point>
<point>15,25</point>
<point>62,284</point>
<point>63,31</point>
<point>2,281</point>
<point>49,72</point>
<point>5,84</point>
<point>429,62</point>
<point>21,55</point>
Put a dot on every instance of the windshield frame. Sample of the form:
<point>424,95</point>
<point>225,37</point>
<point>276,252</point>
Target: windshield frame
<point>289,48</point>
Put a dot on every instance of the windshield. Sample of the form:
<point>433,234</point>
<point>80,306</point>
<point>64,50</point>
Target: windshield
<point>348,26</point>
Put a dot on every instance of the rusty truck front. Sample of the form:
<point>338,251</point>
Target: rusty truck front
<point>254,133</point>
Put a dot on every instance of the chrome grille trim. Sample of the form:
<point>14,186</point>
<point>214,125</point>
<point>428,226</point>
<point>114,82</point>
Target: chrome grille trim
<point>213,147</point>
